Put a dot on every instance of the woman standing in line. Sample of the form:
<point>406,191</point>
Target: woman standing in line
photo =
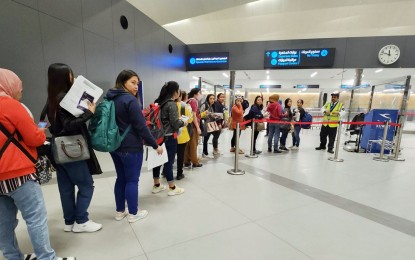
<point>207,107</point>
<point>190,153</point>
<point>218,107</point>
<point>256,113</point>
<point>237,116</point>
<point>128,158</point>
<point>171,124</point>
<point>69,175</point>
<point>298,116</point>
<point>184,136</point>
<point>18,188</point>
<point>285,129</point>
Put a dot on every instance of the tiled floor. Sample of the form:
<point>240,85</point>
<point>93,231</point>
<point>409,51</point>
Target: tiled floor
<point>295,205</point>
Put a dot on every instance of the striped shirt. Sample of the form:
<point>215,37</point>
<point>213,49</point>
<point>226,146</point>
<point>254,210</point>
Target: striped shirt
<point>10,185</point>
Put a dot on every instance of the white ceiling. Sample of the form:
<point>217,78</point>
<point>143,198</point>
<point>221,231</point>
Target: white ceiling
<point>214,21</point>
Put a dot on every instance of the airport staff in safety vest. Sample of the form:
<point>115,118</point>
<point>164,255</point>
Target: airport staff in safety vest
<point>333,112</point>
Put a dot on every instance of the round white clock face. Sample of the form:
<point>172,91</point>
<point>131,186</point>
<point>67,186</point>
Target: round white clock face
<point>389,54</point>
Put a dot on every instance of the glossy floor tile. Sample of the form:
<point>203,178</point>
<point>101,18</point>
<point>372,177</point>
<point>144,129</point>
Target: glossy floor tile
<point>295,205</point>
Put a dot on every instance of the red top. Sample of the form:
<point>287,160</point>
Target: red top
<point>237,116</point>
<point>275,111</point>
<point>194,105</point>
<point>13,116</point>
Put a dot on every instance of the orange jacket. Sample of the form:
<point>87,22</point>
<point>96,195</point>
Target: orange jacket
<point>237,116</point>
<point>13,116</point>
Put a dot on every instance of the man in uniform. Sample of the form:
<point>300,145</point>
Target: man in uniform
<point>332,112</point>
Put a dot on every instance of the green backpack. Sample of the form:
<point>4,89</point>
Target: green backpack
<point>103,129</point>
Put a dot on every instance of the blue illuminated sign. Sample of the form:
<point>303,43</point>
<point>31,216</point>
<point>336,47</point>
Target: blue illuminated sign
<point>269,86</point>
<point>299,58</point>
<point>236,86</point>
<point>208,61</point>
<point>308,86</point>
<point>354,87</point>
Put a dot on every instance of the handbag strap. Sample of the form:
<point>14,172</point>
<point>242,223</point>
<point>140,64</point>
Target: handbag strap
<point>12,139</point>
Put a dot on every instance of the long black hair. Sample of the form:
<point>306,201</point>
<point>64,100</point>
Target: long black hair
<point>290,114</point>
<point>207,99</point>
<point>123,77</point>
<point>60,80</point>
<point>167,91</point>
<point>255,104</point>
<point>193,92</point>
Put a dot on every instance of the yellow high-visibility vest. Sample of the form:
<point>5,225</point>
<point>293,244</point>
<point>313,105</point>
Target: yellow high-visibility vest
<point>331,117</point>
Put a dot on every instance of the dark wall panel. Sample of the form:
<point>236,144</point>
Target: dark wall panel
<point>100,61</point>
<point>85,34</point>
<point>66,10</point>
<point>21,50</point>
<point>63,43</point>
<point>97,17</point>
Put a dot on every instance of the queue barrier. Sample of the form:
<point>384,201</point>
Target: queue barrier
<point>381,157</point>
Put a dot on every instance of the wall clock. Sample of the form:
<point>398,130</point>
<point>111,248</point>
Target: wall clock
<point>389,54</point>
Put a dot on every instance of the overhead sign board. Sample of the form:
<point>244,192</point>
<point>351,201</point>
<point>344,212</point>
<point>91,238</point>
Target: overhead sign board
<point>299,58</point>
<point>236,86</point>
<point>354,87</point>
<point>208,61</point>
<point>308,86</point>
<point>269,86</point>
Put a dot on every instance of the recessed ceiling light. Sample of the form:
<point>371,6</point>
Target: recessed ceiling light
<point>196,78</point>
<point>363,75</point>
<point>379,70</point>
<point>225,75</point>
<point>267,71</point>
<point>268,77</point>
<point>313,74</point>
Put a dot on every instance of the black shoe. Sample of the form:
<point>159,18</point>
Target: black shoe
<point>197,165</point>
<point>257,152</point>
<point>179,177</point>
<point>277,151</point>
<point>330,151</point>
<point>320,148</point>
<point>269,150</point>
<point>187,165</point>
<point>283,148</point>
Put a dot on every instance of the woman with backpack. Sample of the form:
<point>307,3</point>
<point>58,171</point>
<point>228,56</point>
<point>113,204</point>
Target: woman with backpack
<point>128,158</point>
<point>169,115</point>
<point>298,116</point>
<point>77,173</point>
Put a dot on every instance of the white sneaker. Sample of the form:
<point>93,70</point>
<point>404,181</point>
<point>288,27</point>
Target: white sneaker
<point>88,227</point>
<point>217,152</point>
<point>120,215</point>
<point>67,258</point>
<point>208,156</point>
<point>295,148</point>
<point>158,189</point>
<point>140,215</point>
<point>33,257</point>
<point>176,191</point>
<point>291,147</point>
<point>68,228</point>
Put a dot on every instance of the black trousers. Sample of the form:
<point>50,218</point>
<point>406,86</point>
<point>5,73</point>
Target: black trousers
<point>331,133</point>
<point>256,133</point>
<point>215,141</point>
<point>233,140</point>
<point>180,158</point>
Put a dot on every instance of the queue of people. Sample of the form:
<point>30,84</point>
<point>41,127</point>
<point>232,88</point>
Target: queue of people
<point>183,119</point>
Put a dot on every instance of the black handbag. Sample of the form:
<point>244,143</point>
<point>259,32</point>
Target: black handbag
<point>43,165</point>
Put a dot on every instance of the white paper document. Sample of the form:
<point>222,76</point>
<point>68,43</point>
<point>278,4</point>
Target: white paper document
<point>154,159</point>
<point>82,90</point>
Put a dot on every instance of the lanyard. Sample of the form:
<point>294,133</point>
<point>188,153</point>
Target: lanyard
<point>332,106</point>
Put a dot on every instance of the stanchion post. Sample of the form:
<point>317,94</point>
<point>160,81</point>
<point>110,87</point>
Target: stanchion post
<point>397,147</point>
<point>381,157</point>
<point>251,152</point>
<point>336,152</point>
<point>235,170</point>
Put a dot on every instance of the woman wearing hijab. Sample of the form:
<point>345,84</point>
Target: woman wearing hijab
<point>18,187</point>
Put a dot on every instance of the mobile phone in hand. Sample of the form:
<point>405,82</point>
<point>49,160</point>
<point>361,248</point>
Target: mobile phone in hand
<point>42,124</point>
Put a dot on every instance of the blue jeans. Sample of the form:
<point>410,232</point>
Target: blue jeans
<point>296,135</point>
<point>128,168</point>
<point>28,198</point>
<point>274,132</point>
<point>70,175</point>
<point>171,147</point>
